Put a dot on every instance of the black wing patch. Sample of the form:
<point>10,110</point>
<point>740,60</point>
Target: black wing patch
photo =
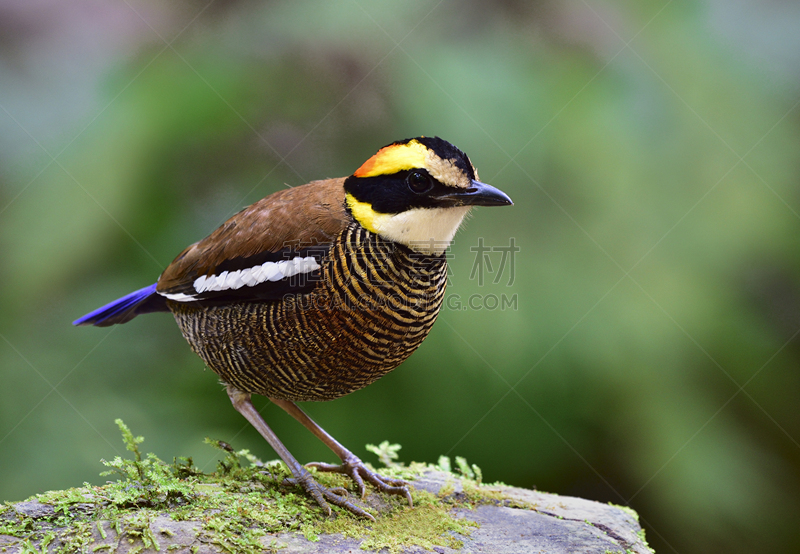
<point>266,276</point>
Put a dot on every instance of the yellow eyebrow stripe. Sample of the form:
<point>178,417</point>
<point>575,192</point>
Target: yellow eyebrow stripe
<point>394,158</point>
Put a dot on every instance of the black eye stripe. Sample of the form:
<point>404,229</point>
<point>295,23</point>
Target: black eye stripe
<point>391,194</point>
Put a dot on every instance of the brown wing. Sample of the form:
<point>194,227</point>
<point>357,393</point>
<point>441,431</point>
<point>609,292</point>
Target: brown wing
<point>294,223</point>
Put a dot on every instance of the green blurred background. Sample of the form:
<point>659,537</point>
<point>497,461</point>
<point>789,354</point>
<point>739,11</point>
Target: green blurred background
<point>651,148</point>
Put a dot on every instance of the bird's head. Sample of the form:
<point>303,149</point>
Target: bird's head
<point>417,192</point>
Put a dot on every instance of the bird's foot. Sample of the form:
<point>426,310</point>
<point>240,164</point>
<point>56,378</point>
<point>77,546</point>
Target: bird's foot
<point>351,465</point>
<point>322,495</point>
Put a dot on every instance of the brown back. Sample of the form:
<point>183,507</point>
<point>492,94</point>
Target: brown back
<point>309,214</point>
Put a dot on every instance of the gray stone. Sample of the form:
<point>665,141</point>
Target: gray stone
<point>547,523</point>
<point>517,521</point>
<point>34,509</point>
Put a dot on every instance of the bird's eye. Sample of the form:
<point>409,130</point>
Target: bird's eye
<point>419,182</point>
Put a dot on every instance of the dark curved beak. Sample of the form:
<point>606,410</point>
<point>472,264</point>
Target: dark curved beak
<point>478,194</point>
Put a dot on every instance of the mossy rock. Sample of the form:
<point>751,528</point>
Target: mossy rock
<point>161,507</point>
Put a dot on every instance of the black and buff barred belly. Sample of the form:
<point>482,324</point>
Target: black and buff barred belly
<point>374,304</point>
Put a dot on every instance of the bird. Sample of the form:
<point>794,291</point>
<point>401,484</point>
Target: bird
<point>318,290</point>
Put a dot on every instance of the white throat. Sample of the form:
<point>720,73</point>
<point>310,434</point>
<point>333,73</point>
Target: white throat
<point>425,230</point>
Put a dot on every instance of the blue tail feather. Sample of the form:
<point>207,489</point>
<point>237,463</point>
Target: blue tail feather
<point>126,308</point>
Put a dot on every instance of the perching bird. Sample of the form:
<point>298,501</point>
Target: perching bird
<point>317,291</point>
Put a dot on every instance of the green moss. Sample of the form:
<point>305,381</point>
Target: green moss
<point>238,506</point>
<point>447,489</point>
<point>13,526</point>
<point>641,535</point>
<point>386,453</point>
<point>426,525</point>
<point>630,511</point>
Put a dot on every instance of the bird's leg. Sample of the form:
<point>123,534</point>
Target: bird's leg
<point>351,464</point>
<point>338,496</point>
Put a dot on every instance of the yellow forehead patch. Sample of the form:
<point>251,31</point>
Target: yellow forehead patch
<point>394,158</point>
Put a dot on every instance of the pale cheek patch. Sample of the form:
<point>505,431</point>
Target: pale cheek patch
<point>250,277</point>
<point>425,230</point>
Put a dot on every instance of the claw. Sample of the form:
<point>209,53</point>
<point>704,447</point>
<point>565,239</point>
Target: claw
<point>322,495</point>
<point>357,471</point>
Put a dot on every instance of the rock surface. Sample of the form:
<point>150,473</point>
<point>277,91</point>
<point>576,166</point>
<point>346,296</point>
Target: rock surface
<point>514,521</point>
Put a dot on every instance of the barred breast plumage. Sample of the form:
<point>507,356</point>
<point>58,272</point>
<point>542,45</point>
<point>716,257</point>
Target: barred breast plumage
<point>372,305</point>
